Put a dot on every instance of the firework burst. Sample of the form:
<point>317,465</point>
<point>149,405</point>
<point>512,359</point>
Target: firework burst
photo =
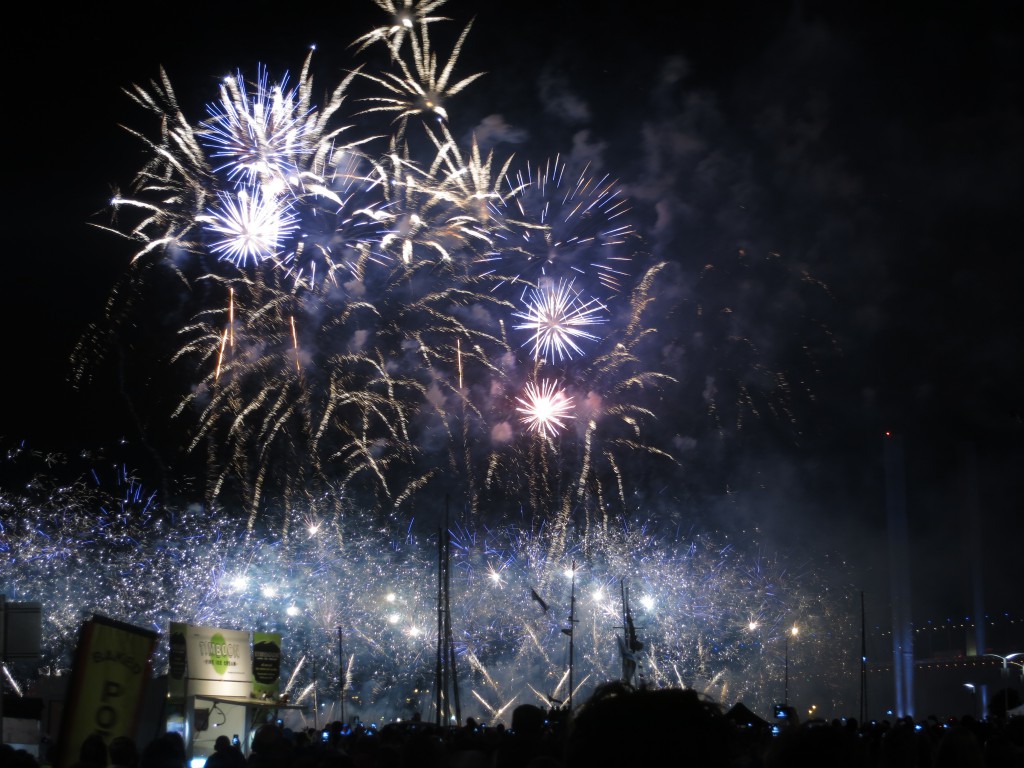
<point>354,296</point>
<point>421,87</point>
<point>248,226</point>
<point>261,137</point>
<point>565,224</point>
<point>404,17</point>
<point>545,408</point>
<point>557,317</point>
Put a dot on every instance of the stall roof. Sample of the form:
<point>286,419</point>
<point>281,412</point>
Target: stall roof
<point>249,701</point>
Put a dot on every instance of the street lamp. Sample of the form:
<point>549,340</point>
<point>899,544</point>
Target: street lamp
<point>785,694</point>
<point>974,697</point>
<point>1006,676</point>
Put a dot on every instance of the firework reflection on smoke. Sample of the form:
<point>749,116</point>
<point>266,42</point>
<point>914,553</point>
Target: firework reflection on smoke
<point>695,600</point>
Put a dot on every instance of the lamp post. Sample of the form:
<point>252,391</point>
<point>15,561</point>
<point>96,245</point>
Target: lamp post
<point>974,697</point>
<point>1006,676</point>
<point>785,691</point>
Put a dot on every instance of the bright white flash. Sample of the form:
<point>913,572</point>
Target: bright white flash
<point>545,409</point>
<point>557,316</point>
<point>250,225</point>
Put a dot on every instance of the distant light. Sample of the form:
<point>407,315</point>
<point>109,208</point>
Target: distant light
<point>569,573</point>
<point>269,590</point>
<point>752,626</point>
<point>495,577</point>
<point>394,618</point>
<point>239,584</point>
<point>794,631</point>
<point>292,610</point>
<point>598,595</point>
<point>390,597</point>
<point>647,601</point>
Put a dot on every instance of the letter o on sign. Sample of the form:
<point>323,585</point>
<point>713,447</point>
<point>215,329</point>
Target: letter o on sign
<point>106,717</point>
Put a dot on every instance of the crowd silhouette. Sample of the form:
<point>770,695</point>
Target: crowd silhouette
<point>617,726</point>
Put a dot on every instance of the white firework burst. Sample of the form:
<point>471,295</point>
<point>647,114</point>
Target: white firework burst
<point>545,408</point>
<point>250,226</point>
<point>557,316</point>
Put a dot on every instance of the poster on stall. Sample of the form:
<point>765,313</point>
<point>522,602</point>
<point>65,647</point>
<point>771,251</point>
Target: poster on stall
<point>109,676</point>
<point>266,664</point>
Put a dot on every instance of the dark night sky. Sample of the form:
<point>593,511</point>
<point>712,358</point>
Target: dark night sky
<point>877,151</point>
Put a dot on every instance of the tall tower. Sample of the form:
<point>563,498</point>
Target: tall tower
<point>899,575</point>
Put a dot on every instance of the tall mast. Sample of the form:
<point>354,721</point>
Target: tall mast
<point>449,637</point>
<point>627,676</point>
<point>440,683</point>
<point>445,662</point>
<point>572,631</point>
<point>629,646</point>
<point>341,671</point>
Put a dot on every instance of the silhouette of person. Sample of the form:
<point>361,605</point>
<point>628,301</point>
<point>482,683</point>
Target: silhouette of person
<point>225,755</point>
<point>619,725</point>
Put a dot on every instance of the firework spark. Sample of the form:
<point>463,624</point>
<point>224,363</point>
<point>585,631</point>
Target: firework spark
<point>419,88</point>
<point>562,226</point>
<point>404,16</point>
<point>149,564</point>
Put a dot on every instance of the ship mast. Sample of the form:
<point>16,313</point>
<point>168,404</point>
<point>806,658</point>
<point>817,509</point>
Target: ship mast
<point>446,676</point>
<point>572,634</point>
<point>629,646</point>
